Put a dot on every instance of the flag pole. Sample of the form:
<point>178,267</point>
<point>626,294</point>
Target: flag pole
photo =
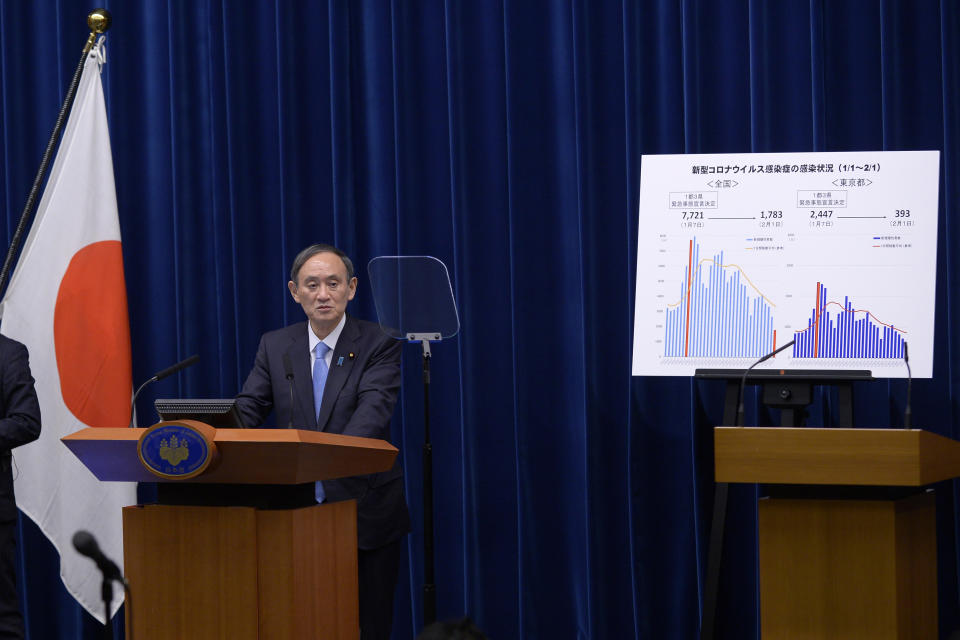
<point>99,21</point>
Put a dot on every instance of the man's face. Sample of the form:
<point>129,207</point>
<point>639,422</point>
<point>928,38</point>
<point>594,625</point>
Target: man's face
<point>322,289</point>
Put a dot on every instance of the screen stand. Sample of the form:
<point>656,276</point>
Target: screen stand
<point>792,393</point>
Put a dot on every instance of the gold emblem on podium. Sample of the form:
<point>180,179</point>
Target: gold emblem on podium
<point>174,452</point>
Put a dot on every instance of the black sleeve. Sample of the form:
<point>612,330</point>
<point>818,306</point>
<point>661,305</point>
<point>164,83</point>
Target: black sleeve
<point>255,400</point>
<point>20,422</point>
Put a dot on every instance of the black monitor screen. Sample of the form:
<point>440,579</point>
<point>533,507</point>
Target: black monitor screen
<point>215,412</point>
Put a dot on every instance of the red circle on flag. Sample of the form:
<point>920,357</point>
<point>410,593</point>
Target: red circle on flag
<point>91,334</point>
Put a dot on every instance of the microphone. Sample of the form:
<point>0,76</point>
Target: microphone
<point>743,382</point>
<point>907,413</point>
<point>288,371</point>
<point>183,364</point>
<point>86,544</point>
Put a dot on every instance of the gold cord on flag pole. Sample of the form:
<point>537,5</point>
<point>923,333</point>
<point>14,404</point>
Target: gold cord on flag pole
<point>99,21</point>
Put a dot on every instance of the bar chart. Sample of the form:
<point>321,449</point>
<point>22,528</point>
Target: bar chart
<point>738,254</point>
<point>719,314</point>
<point>840,331</point>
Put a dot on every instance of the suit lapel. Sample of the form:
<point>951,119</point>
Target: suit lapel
<point>303,415</point>
<point>340,367</point>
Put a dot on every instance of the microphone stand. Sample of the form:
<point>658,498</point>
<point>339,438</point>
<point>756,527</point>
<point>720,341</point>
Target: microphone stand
<point>106,592</point>
<point>183,364</point>
<point>86,544</point>
<point>288,372</point>
<point>907,412</point>
<point>743,381</point>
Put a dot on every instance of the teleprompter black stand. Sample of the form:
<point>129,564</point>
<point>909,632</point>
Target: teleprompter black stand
<point>415,303</point>
<point>791,391</point>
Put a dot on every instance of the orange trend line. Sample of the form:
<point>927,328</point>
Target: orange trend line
<point>866,311</point>
<point>743,273</point>
<point>686,338</point>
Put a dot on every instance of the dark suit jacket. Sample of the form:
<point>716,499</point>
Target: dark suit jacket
<point>358,400</point>
<point>19,416</point>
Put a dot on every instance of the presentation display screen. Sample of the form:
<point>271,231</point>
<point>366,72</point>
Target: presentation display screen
<point>738,254</point>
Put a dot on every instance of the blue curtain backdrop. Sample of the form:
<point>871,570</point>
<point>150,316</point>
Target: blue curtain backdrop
<point>505,138</point>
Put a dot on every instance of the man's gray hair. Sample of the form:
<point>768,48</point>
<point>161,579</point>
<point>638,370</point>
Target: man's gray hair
<point>313,250</point>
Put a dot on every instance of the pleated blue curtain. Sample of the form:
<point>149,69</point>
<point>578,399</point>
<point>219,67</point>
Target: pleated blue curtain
<point>505,138</point>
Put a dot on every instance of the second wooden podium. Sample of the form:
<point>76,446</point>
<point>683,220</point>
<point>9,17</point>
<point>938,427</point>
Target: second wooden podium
<point>847,538</point>
<point>239,551</point>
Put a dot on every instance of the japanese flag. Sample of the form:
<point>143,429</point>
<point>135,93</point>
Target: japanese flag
<point>67,303</point>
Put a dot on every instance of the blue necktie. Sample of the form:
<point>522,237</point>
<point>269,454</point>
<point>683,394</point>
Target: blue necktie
<point>319,380</point>
<point>319,375</point>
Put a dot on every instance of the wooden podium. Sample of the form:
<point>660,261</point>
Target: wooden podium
<point>848,537</point>
<point>220,560</point>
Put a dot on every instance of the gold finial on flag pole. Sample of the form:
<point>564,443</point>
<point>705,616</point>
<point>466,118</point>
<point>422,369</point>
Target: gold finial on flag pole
<point>98,20</point>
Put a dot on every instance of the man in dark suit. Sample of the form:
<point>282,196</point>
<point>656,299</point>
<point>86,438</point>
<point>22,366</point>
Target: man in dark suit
<point>346,377</point>
<point>19,424</point>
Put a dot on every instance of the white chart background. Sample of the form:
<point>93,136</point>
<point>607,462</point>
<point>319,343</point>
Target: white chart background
<point>862,224</point>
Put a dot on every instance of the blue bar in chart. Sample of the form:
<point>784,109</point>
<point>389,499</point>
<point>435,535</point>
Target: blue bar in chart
<point>720,313</point>
<point>845,333</point>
